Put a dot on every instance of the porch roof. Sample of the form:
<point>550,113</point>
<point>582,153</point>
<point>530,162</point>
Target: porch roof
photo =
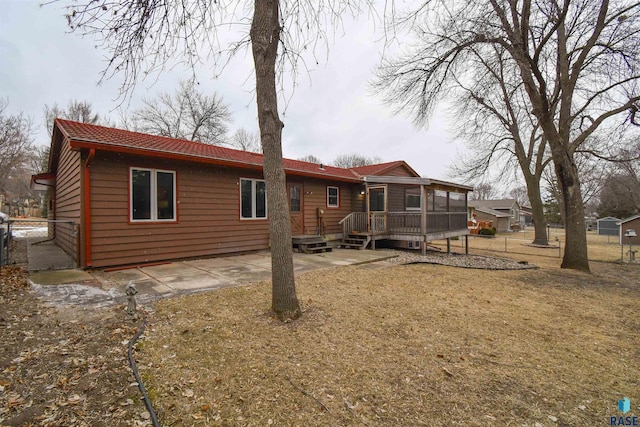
<point>407,180</point>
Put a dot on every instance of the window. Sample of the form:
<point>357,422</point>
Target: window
<point>153,195</point>
<point>333,197</point>
<point>412,199</point>
<point>253,199</point>
<point>294,198</point>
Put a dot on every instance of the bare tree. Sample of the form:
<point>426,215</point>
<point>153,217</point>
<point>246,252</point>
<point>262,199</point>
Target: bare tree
<point>502,130</point>
<point>187,114</point>
<point>620,192</point>
<point>311,159</point>
<point>618,197</point>
<point>39,159</point>
<point>16,146</point>
<point>79,111</point>
<point>245,140</point>
<point>141,36</point>
<point>520,195</point>
<point>483,191</point>
<point>577,61</point>
<point>354,160</point>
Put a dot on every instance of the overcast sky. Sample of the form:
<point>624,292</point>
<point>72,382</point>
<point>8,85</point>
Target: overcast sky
<point>331,111</point>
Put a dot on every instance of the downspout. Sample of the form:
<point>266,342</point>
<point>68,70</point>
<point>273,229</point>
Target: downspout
<point>87,207</point>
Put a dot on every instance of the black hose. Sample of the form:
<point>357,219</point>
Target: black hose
<point>134,368</point>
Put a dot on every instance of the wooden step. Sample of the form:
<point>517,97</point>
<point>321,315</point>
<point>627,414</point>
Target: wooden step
<point>315,247</point>
<point>317,250</point>
<point>355,241</point>
<point>351,245</point>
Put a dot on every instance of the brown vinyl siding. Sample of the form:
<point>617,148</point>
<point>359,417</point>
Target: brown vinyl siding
<point>208,214</point>
<point>67,197</point>
<point>315,196</point>
<point>634,224</point>
<point>358,200</point>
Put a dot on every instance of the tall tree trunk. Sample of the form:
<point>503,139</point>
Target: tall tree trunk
<point>265,37</point>
<point>575,251</point>
<point>537,209</point>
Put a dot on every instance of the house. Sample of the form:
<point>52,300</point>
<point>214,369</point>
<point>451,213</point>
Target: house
<point>608,226</point>
<point>628,227</point>
<point>526,216</point>
<point>504,213</point>
<point>138,198</point>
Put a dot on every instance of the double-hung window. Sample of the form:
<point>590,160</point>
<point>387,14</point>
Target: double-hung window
<point>152,195</point>
<point>253,199</point>
<point>333,197</point>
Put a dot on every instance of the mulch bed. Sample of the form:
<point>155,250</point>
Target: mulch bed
<point>464,261</point>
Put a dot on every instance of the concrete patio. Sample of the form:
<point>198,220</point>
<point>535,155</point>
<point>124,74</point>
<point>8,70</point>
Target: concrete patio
<point>99,288</point>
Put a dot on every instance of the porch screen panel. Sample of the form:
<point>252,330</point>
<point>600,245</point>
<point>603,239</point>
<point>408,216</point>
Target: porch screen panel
<point>457,202</point>
<point>261,200</point>
<point>141,194</point>
<point>440,201</point>
<point>430,206</point>
<point>165,195</point>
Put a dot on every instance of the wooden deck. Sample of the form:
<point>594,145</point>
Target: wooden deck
<point>405,225</point>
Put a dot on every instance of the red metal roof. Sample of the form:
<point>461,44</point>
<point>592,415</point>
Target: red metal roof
<point>84,135</point>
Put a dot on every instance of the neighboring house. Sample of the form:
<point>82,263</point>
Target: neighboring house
<point>504,213</point>
<point>631,223</point>
<point>501,221</point>
<point>608,226</point>
<point>138,198</point>
<point>526,215</point>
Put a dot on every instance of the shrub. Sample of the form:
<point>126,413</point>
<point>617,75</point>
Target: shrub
<point>489,232</point>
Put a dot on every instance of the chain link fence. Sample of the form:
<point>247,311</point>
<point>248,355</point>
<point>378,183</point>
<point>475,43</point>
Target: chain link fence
<point>39,244</point>
<point>600,248</point>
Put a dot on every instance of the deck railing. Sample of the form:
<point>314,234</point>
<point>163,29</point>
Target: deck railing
<point>355,222</point>
<point>402,222</point>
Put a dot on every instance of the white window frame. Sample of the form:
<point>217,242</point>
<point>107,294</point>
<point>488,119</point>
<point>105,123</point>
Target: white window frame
<point>153,194</point>
<point>406,200</point>
<point>337,196</point>
<point>254,205</point>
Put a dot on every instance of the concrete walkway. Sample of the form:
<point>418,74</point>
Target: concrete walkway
<point>102,289</point>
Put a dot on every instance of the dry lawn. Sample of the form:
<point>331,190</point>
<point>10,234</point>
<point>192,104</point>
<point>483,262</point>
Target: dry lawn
<point>600,248</point>
<point>403,345</point>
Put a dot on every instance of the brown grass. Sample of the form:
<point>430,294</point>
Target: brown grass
<point>600,248</point>
<point>403,345</point>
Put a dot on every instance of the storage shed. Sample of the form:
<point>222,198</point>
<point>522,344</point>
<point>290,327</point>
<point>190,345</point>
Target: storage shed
<point>608,226</point>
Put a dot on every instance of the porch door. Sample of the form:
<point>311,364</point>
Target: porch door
<point>295,208</point>
<point>377,203</point>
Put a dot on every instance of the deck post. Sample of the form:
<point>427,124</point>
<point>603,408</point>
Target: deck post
<point>448,245</point>
<point>466,244</point>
